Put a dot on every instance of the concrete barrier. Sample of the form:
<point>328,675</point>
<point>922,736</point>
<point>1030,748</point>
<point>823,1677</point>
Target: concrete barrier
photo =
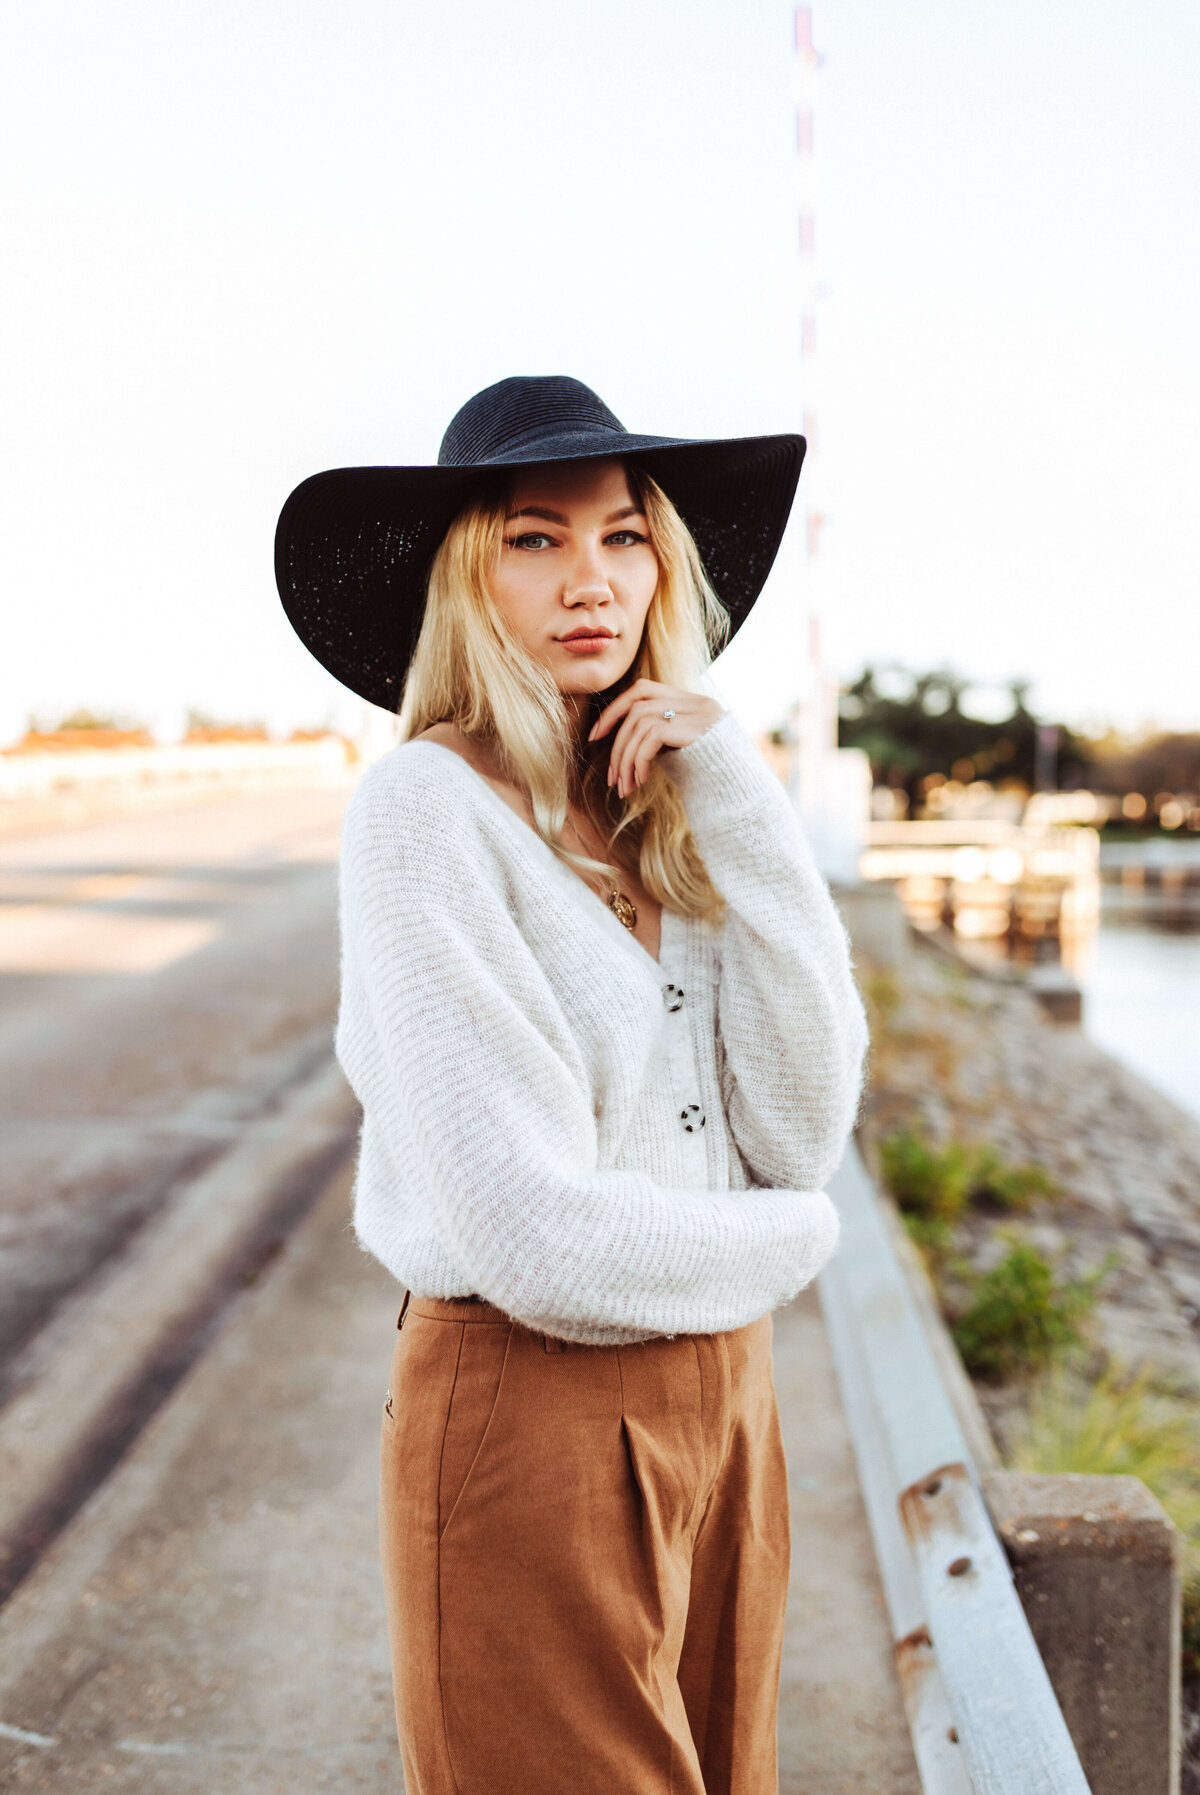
<point>1096,1562</point>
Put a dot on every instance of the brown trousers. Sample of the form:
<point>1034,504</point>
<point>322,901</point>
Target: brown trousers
<point>585,1555</point>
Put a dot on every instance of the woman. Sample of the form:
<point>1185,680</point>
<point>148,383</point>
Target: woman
<point>598,1009</point>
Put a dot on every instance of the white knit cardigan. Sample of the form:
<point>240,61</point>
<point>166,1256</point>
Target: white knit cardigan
<point>607,1146</point>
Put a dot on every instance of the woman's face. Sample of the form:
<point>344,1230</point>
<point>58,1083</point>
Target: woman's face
<point>576,556</point>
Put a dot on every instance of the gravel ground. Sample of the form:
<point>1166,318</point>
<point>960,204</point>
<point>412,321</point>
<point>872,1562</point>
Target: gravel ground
<point>961,1055</point>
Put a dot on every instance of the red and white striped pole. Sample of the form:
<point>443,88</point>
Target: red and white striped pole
<point>817,719</point>
<point>831,785</point>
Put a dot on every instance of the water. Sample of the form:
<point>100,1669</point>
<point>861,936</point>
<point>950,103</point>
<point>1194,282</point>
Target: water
<point>1142,1004</point>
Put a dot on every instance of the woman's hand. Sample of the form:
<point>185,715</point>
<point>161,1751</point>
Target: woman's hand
<point>644,729</point>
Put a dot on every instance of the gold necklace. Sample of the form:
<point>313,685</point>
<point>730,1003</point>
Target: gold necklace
<point>622,907</point>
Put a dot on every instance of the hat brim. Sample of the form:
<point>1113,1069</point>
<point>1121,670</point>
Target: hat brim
<point>354,545</point>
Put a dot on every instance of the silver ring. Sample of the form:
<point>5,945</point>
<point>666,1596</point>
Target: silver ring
<point>668,715</point>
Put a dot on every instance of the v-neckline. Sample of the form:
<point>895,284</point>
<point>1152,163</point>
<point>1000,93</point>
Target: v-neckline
<point>598,907</point>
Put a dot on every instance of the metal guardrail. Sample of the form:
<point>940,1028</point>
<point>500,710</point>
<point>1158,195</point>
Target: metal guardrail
<point>982,1713</point>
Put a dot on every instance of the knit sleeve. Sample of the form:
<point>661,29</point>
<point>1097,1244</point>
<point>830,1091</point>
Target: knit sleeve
<point>454,1043</point>
<point>791,1022</point>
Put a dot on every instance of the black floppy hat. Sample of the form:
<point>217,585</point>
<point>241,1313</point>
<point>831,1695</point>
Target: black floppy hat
<point>354,545</point>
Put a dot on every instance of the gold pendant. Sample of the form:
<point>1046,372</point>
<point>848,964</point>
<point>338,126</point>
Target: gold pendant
<point>622,908</point>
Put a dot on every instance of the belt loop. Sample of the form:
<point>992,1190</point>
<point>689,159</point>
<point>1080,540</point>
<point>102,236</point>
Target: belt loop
<point>553,1345</point>
<point>403,1307</point>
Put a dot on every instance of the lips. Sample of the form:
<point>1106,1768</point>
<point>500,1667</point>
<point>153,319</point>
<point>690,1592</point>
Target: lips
<point>588,635</point>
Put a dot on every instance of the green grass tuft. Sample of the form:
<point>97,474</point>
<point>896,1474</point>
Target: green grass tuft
<point>929,1180</point>
<point>925,1180</point>
<point>1007,1186</point>
<point>882,992</point>
<point>1019,1317</point>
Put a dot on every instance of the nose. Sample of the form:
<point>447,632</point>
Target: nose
<point>586,581</point>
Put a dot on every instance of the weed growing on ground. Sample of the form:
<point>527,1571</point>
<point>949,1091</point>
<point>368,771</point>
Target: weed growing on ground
<point>926,1181</point>
<point>934,1237</point>
<point>1005,1186</point>
<point>882,993</point>
<point>1019,1317</point>
<point>941,1181</point>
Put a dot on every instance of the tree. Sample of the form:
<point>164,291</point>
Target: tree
<point>924,730</point>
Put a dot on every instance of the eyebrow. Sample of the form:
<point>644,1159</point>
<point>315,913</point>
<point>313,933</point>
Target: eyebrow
<point>556,517</point>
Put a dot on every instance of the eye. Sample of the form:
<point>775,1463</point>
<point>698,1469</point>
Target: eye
<point>622,538</point>
<point>532,539</point>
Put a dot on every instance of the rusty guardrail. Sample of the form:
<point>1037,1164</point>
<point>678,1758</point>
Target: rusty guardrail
<point>982,1712</point>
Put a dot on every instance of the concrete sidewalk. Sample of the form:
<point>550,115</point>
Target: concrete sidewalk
<point>212,1620</point>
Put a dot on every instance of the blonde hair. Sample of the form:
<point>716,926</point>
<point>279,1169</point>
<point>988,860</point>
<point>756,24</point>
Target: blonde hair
<point>471,668</point>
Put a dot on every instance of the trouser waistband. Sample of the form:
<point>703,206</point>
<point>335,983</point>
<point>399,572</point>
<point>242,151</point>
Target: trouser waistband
<point>452,1308</point>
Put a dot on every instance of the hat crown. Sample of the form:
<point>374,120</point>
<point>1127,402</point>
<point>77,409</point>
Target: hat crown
<point>513,415</point>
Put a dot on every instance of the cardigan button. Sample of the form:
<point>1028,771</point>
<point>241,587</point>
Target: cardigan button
<point>692,1118</point>
<point>673,996</point>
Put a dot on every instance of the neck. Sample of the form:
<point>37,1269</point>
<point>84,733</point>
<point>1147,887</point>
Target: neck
<point>578,708</point>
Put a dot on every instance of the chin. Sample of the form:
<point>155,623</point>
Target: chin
<point>588,679</point>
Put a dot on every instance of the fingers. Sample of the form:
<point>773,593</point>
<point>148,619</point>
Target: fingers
<point>638,741</point>
<point>612,712</point>
<point>618,706</point>
<point>642,730</point>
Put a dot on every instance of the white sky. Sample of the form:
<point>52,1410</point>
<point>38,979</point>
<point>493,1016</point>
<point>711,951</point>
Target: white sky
<point>247,241</point>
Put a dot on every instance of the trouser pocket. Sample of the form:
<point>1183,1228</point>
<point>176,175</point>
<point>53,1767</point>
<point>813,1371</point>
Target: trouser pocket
<point>482,1357</point>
